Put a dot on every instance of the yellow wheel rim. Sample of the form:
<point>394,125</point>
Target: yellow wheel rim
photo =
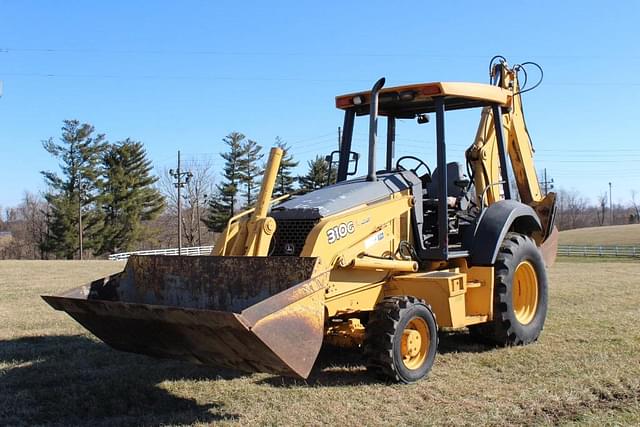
<point>525,292</point>
<point>415,343</point>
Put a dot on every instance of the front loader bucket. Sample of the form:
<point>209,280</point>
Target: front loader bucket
<point>255,314</point>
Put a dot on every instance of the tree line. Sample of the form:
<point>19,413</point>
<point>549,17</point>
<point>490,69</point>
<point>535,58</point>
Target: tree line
<point>577,211</point>
<point>243,167</point>
<point>101,196</point>
<point>106,193</point>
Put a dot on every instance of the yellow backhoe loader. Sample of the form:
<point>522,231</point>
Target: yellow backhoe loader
<point>381,261</point>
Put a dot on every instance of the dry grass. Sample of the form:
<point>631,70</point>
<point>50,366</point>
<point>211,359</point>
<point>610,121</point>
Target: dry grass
<point>609,235</point>
<point>584,369</point>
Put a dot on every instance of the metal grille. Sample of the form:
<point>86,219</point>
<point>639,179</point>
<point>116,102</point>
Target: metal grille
<point>291,235</point>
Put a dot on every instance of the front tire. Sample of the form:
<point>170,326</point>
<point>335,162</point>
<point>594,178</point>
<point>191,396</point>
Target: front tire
<point>520,294</point>
<point>401,339</point>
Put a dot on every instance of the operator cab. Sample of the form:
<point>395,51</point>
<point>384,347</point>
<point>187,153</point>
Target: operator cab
<point>447,214</point>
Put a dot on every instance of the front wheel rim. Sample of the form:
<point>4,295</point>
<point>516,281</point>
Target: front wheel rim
<point>525,292</point>
<point>415,343</point>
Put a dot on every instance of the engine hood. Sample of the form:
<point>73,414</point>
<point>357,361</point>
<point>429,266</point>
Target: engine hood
<point>345,195</point>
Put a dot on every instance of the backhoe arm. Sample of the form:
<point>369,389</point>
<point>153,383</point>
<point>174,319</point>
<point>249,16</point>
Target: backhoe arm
<point>484,154</point>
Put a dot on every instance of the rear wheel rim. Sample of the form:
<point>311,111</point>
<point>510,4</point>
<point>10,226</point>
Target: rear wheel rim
<point>525,292</point>
<point>415,343</point>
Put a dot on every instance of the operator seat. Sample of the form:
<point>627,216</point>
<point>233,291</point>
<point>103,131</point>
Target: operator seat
<point>457,182</point>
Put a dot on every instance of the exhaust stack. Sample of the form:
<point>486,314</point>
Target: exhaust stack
<point>373,129</point>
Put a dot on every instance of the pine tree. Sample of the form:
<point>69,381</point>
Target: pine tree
<point>78,152</point>
<point>317,174</point>
<point>250,170</point>
<point>218,215</point>
<point>223,204</point>
<point>285,180</point>
<point>128,197</point>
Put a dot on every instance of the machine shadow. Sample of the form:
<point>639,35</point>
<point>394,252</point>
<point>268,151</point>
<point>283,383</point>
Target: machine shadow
<point>335,366</point>
<point>338,366</point>
<point>73,380</point>
<point>462,342</point>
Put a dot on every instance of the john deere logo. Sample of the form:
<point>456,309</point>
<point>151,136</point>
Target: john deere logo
<point>289,248</point>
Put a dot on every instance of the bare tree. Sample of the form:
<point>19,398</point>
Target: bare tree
<point>25,229</point>
<point>10,214</point>
<point>601,208</point>
<point>33,212</point>
<point>194,202</point>
<point>573,208</point>
<point>635,205</point>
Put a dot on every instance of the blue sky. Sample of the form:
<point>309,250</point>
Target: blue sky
<point>182,75</point>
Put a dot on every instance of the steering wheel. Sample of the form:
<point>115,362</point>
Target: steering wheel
<point>414,170</point>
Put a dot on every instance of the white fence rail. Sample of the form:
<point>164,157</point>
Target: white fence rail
<point>195,250</point>
<point>599,251</point>
<point>563,250</point>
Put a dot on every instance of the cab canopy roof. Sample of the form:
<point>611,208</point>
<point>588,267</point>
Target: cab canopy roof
<point>408,101</point>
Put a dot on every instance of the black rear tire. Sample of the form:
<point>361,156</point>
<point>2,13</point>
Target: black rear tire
<point>390,326</point>
<point>508,327</point>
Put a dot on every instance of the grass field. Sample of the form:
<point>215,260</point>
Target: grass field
<point>584,369</point>
<point>606,236</point>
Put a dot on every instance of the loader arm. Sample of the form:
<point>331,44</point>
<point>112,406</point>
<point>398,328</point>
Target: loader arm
<point>249,233</point>
<point>489,169</point>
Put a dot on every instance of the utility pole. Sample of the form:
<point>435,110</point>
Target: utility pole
<point>178,174</point>
<point>81,187</point>
<point>198,213</point>
<point>610,206</point>
<point>547,184</point>
<point>339,137</point>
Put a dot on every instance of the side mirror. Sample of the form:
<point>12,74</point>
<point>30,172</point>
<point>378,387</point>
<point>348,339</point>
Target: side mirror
<point>330,162</point>
<point>354,158</point>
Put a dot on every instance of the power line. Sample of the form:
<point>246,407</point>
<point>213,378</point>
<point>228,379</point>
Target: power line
<point>263,79</point>
<point>311,138</point>
<point>585,150</point>
<point>184,77</point>
<point>593,161</point>
<point>208,52</point>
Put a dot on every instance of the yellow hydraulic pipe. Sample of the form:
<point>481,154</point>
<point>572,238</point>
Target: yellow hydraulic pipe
<point>384,264</point>
<point>268,182</point>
